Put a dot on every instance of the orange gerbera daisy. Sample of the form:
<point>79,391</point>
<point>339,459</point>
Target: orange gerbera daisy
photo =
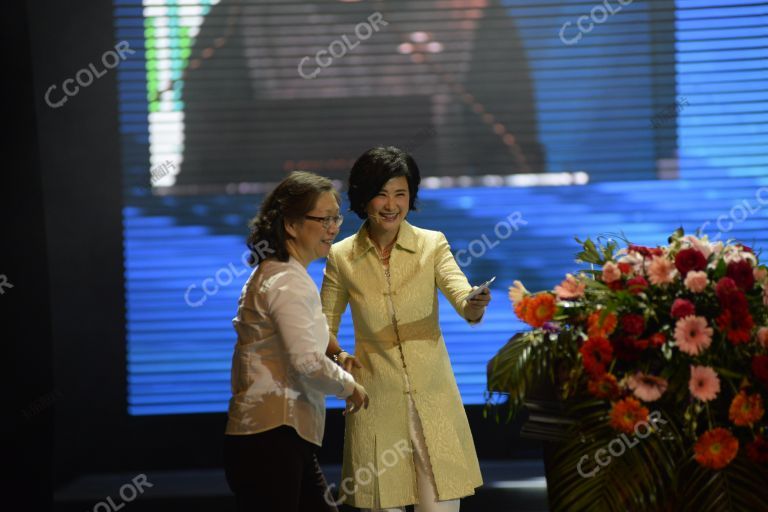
<point>627,413</point>
<point>604,386</point>
<point>540,310</point>
<point>601,329</point>
<point>596,353</point>
<point>746,410</point>
<point>716,448</point>
<point>522,307</point>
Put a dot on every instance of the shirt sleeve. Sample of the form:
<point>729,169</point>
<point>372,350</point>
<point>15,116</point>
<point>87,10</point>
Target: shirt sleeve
<point>334,295</point>
<point>450,279</point>
<point>294,306</point>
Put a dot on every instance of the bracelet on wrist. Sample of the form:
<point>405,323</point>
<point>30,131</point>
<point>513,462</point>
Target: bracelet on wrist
<point>335,357</point>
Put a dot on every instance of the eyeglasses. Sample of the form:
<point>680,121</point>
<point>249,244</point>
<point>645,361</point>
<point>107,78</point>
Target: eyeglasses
<point>326,221</point>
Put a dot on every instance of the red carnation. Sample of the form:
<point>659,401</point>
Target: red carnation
<point>760,369</point>
<point>730,296</point>
<point>596,354</point>
<point>633,325</point>
<point>645,251</point>
<point>724,287</point>
<point>637,285</point>
<point>625,268</point>
<point>741,273</point>
<point>690,259</point>
<point>682,308</point>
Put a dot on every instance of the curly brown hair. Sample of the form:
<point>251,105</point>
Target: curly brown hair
<point>293,198</point>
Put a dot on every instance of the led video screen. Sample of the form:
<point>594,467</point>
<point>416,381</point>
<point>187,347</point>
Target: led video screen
<point>531,122</point>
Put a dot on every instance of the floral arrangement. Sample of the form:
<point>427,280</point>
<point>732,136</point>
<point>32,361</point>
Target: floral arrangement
<point>682,328</point>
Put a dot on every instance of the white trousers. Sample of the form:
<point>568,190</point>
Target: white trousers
<point>425,479</point>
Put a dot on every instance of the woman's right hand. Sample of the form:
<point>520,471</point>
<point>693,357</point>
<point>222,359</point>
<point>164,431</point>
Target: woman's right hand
<point>348,361</point>
<point>357,400</point>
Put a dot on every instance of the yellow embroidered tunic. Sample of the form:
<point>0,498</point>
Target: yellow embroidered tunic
<point>411,345</point>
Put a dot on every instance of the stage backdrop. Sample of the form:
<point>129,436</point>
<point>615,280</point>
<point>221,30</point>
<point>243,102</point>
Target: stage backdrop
<point>531,123</point>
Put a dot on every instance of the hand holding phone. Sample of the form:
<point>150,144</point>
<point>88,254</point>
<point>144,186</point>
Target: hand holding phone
<point>477,291</point>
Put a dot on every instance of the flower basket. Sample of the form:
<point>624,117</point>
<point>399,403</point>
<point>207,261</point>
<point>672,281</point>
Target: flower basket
<point>657,361</point>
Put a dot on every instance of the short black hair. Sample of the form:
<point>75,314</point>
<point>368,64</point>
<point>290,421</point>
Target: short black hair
<point>373,169</point>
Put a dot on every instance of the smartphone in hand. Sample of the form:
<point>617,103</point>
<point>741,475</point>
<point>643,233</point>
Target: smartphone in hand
<point>477,291</point>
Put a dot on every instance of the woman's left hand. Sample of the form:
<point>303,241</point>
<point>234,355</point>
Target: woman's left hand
<point>476,305</point>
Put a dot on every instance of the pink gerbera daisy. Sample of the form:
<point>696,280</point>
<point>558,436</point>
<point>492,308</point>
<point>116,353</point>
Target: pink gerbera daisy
<point>661,271</point>
<point>571,288</point>
<point>704,383</point>
<point>692,334</point>
<point>647,387</point>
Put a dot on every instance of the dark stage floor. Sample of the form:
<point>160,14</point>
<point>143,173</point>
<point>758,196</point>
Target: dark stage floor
<point>516,485</point>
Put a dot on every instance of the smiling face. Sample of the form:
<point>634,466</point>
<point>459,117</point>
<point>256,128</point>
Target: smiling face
<point>310,239</point>
<point>390,206</point>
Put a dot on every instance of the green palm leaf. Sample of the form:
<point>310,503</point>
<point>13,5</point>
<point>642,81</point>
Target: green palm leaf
<point>740,486</point>
<point>516,368</point>
<point>637,479</point>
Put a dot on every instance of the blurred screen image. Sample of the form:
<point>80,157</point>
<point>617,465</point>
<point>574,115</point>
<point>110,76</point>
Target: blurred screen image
<point>531,124</point>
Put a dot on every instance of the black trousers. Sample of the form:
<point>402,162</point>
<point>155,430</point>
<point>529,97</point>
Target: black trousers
<point>276,471</point>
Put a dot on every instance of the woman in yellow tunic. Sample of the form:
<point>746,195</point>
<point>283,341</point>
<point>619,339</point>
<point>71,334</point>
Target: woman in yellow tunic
<point>413,445</point>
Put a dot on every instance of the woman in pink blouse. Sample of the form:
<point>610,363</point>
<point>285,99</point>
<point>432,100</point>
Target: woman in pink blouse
<point>280,374</point>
